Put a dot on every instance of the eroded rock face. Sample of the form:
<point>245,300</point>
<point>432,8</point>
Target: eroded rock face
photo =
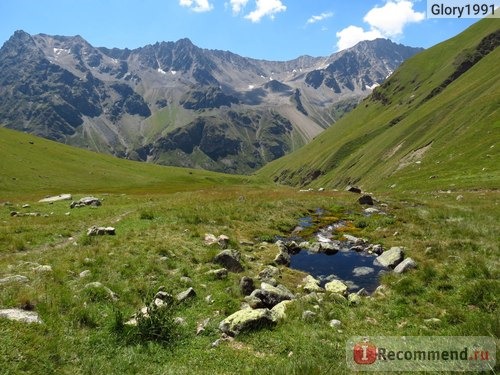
<point>247,319</point>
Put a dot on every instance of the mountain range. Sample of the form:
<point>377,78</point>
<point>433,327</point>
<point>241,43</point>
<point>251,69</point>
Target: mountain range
<point>177,104</point>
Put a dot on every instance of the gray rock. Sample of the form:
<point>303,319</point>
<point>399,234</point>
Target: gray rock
<point>269,272</point>
<point>371,210</point>
<point>20,315</point>
<point>405,265</point>
<point>366,199</point>
<point>100,231</point>
<point>85,273</point>
<point>246,319</point>
<point>223,241</point>
<point>210,239</point>
<point>309,315</point>
<point>272,295</point>
<point>96,285</point>
<point>56,198</point>
<point>220,273</point>
<point>390,258</point>
<point>86,201</point>
<point>330,248</point>
<point>353,189</point>
<point>336,286</point>
<point>230,259</point>
<point>334,323</point>
<point>186,280</point>
<point>377,249</point>
<point>14,279</point>
<point>311,284</point>
<point>246,285</point>
<point>188,293</point>
<point>354,299</point>
<point>279,310</point>
<point>254,302</point>
<point>283,258</point>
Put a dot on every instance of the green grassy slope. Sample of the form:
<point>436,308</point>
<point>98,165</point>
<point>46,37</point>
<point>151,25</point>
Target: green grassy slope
<point>30,165</point>
<point>434,124</point>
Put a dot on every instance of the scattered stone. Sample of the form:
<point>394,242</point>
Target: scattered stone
<point>96,285</point>
<point>336,286</point>
<point>254,302</point>
<point>246,285</point>
<point>269,272</point>
<point>309,315</point>
<point>210,239</point>
<point>188,293</point>
<point>390,258</point>
<point>321,189</point>
<point>180,321</point>
<point>246,319</point>
<point>371,210</point>
<point>405,265</point>
<point>279,310</point>
<point>86,201</point>
<point>376,249</point>
<point>357,248</point>
<point>362,271</point>
<point>330,248</point>
<point>432,321</point>
<point>220,273</point>
<point>460,197</point>
<point>229,259</point>
<point>100,231</point>
<point>20,315</point>
<point>26,206</point>
<point>354,240</point>
<point>85,273</point>
<point>209,299</point>
<point>283,258</point>
<point>366,199</point>
<point>186,280</point>
<point>315,247</point>
<point>311,284</point>
<point>334,323</point>
<point>22,214</point>
<point>353,189</point>
<point>56,198</point>
<point>14,279</point>
<point>247,243</point>
<point>272,295</point>
<point>380,291</point>
<point>200,327</point>
<point>223,241</point>
<point>44,268</point>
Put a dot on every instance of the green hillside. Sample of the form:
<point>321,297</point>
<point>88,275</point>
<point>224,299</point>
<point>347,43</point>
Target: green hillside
<point>30,165</point>
<point>434,124</point>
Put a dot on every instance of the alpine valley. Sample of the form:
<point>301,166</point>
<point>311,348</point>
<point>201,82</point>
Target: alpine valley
<point>176,104</point>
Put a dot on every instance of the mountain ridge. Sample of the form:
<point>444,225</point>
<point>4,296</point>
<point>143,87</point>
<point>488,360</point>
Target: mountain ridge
<point>126,102</point>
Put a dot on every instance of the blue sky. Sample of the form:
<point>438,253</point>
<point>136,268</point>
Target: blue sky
<point>266,29</point>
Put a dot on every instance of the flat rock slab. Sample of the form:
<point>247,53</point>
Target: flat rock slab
<point>56,198</point>
<point>20,315</point>
<point>405,265</point>
<point>390,258</point>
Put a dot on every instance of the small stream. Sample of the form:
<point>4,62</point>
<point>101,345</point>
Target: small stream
<point>355,268</point>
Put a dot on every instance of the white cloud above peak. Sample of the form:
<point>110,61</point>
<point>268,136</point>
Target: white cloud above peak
<point>198,6</point>
<point>387,21</point>
<point>237,5</point>
<point>265,8</point>
<point>318,18</point>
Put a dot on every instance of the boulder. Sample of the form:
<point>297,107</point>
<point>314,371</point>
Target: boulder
<point>336,286</point>
<point>230,259</point>
<point>246,285</point>
<point>20,315</point>
<point>353,189</point>
<point>56,198</point>
<point>279,310</point>
<point>188,293</point>
<point>254,302</point>
<point>311,284</point>
<point>405,265</point>
<point>366,199</point>
<point>246,319</point>
<point>269,272</point>
<point>272,295</point>
<point>85,201</point>
<point>329,248</point>
<point>100,231</point>
<point>390,258</point>
<point>220,273</point>
<point>354,299</point>
<point>335,323</point>
<point>222,240</point>
<point>283,258</point>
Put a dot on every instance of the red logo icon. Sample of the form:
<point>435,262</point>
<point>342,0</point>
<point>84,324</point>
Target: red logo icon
<point>365,353</point>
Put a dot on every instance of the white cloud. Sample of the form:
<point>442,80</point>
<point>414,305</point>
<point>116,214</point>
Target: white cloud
<point>393,17</point>
<point>265,8</point>
<point>320,17</point>
<point>351,35</point>
<point>238,5</point>
<point>387,21</point>
<point>198,6</point>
